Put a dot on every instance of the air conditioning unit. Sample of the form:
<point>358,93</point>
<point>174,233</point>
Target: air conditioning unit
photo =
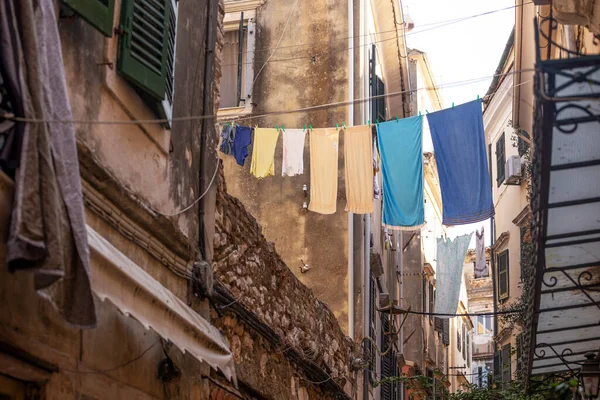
<point>513,171</point>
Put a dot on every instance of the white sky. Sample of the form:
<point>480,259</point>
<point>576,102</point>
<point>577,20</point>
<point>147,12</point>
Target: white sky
<point>461,51</point>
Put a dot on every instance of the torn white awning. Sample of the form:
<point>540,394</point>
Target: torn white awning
<point>134,292</point>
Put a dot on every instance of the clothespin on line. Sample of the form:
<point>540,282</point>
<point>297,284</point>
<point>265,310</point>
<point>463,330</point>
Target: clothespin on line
<point>453,105</point>
<point>304,126</point>
<point>369,122</point>
<point>310,126</point>
<point>397,119</point>
<point>283,128</point>
<point>344,125</point>
<point>337,128</point>
<point>419,113</point>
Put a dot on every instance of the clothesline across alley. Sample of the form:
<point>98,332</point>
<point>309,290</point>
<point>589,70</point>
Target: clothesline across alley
<point>395,148</point>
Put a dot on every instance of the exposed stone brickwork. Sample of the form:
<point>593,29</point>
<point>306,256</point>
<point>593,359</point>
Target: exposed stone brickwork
<point>250,268</point>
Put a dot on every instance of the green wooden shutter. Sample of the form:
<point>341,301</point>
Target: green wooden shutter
<point>503,278</point>
<point>99,13</point>
<point>500,160</point>
<point>166,109</point>
<point>143,45</point>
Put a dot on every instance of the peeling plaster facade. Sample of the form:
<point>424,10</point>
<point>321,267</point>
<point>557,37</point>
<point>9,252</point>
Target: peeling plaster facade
<point>130,174</point>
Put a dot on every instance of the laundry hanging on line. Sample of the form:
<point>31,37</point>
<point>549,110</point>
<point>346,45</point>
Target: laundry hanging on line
<point>450,258</point>
<point>226,146</point>
<point>459,144</point>
<point>358,168</point>
<point>243,139</point>
<point>293,152</point>
<point>480,264</point>
<point>401,151</point>
<point>324,145</point>
<point>263,153</point>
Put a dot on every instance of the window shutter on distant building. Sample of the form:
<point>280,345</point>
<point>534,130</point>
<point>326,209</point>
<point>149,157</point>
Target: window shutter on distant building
<point>506,365</point>
<point>446,331</point>
<point>503,275</point>
<point>500,160</point>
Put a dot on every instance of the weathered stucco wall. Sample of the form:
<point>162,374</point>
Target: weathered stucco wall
<point>302,81</point>
<point>126,170</point>
<point>257,278</point>
<point>159,166</point>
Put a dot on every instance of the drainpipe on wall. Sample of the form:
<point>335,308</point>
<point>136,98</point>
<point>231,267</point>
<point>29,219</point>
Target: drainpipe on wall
<point>350,215</point>
<point>400,250</point>
<point>206,248</point>
<point>366,300</point>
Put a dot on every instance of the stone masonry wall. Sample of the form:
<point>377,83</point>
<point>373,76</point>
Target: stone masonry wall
<point>250,268</point>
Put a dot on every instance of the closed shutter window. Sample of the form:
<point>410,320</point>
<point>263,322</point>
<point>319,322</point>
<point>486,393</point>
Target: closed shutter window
<point>446,331</point>
<point>430,301</point>
<point>99,13</point>
<point>439,324</point>
<point>500,160</point>
<point>464,346</point>
<point>519,353</point>
<point>468,350</point>
<point>380,101</point>
<point>503,282</point>
<point>506,366</point>
<point>424,295</point>
<point>147,50</point>
<point>498,366</point>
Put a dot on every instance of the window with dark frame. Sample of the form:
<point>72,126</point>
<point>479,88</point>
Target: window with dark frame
<point>234,68</point>
<point>500,160</point>
<point>377,88</point>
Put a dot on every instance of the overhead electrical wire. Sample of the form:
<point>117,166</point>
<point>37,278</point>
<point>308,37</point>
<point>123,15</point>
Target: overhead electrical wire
<point>266,114</point>
<point>438,24</point>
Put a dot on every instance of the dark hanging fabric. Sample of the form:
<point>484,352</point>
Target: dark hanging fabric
<point>459,143</point>
<point>48,234</point>
<point>12,79</point>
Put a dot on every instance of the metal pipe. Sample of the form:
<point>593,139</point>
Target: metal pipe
<point>211,39</point>
<point>350,215</point>
<point>351,276</point>
<point>366,299</point>
<point>240,59</point>
<point>400,250</point>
